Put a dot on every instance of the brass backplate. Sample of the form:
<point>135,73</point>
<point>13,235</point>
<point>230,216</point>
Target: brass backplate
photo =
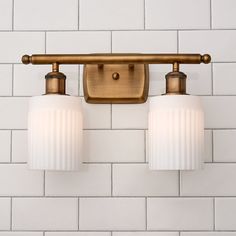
<point>117,84</point>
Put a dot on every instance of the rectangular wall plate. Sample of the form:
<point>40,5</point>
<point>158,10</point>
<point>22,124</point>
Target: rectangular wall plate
<point>116,83</point>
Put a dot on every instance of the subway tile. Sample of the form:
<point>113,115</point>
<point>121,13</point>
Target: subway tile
<point>6,14</point>
<point>78,42</point>
<point>37,15</point>
<point>5,213</point>
<point>223,14</point>
<point>13,113</point>
<point>30,80</point>
<point>44,214</point>
<point>96,116</point>
<point>225,213</point>
<point>157,82</point>
<point>5,150</point>
<point>139,180</point>
<point>145,233</point>
<point>13,45</point>
<point>111,15</point>
<point>90,180</point>
<point>113,146</point>
<point>144,42</point>
<point>199,80</point>
<point>19,146</point>
<point>180,214</point>
<point>6,80</point>
<point>112,214</point>
<point>130,116</point>
<point>224,145</point>
<point>20,181</point>
<point>208,234</point>
<point>77,234</point>
<point>213,180</point>
<point>21,233</point>
<point>223,78</point>
<point>166,14</point>
<point>218,111</point>
<point>220,44</point>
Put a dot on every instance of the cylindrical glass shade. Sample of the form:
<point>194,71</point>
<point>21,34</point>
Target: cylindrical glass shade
<point>175,132</point>
<point>55,132</point>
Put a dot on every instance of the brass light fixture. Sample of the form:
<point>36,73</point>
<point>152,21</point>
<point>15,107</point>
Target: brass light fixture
<point>175,120</point>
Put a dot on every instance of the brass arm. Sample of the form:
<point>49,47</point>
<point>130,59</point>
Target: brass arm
<point>116,59</point>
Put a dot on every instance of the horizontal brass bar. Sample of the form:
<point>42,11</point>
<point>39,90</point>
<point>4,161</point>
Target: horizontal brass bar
<point>116,58</point>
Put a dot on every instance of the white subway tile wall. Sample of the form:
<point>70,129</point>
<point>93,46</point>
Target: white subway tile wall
<point>114,193</point>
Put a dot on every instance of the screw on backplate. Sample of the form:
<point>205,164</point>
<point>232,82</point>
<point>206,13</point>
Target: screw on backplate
<point>115,76</point>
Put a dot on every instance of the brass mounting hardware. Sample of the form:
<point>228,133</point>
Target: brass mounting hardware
<point>116,78</point>
<point>115,83</point>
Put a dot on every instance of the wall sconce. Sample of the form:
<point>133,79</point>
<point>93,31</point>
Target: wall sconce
<point>176,122</point>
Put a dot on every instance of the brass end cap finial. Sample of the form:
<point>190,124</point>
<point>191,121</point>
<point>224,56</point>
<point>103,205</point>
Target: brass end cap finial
<point>26,59</point>
<point>206,58</point>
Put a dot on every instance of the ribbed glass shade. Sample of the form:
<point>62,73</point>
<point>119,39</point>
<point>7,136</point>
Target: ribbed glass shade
<point>55,132</point>
<point>175,132</point>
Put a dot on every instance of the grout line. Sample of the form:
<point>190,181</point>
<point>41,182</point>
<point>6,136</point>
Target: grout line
<point>78,14</point>
<point>212,80</point>
<point>11,214</point>
<point>12,79</point>
<point>119,196</point>
<point>78,211</point>
<point>126,129</point>
<point>212,148</point>
<point>214,227</point>
<point>146,220</point>
<point>13,13</point>
<point>124,231</point>
<point>119,30</point>
<point>144,14</point>
<point>119,163</point>
<point>111,179</point>
<point>210,14</point>
<point>11,146</point>
<point>111,41</point>
<point>145,146</point>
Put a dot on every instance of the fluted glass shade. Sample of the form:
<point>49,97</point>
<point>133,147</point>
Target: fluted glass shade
<point>175,132</point>
<point>55,132</point>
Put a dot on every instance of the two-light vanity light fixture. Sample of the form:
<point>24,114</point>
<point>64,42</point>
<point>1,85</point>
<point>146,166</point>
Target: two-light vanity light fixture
<point>176,120</point>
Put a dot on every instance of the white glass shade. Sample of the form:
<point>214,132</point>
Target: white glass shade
<point>175,132</point>
<point>55,132</point>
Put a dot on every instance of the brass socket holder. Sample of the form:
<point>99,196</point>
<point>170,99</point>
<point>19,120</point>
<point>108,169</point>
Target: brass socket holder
<point>176,83</point>
<point>55,83</point>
